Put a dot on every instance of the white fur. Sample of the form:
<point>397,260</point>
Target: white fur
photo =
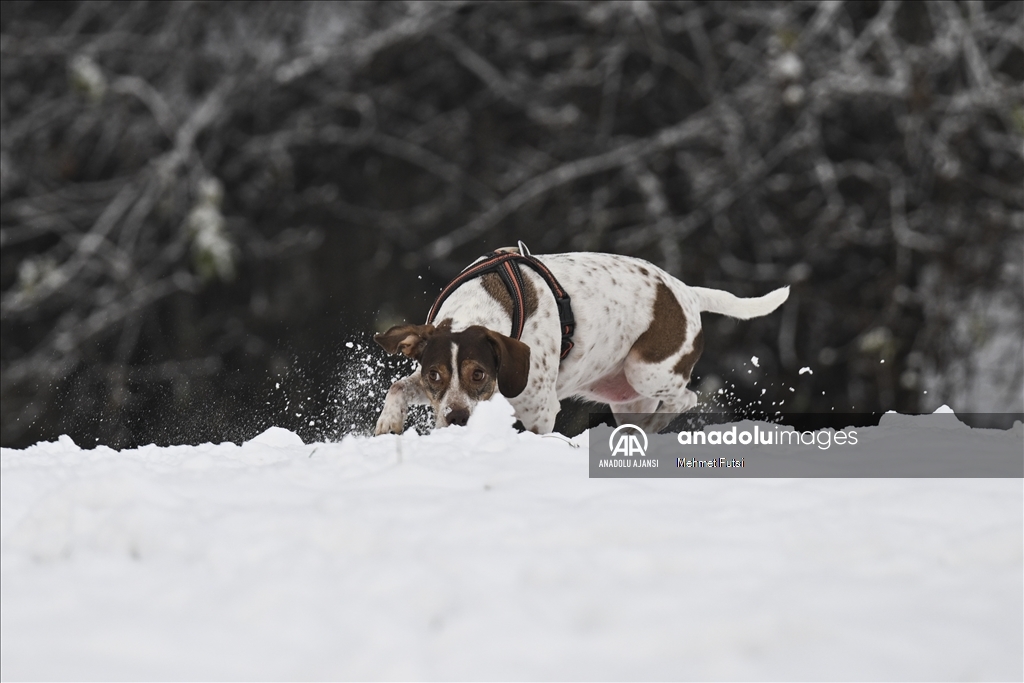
<point>454,398</point>
<point>718,301</point>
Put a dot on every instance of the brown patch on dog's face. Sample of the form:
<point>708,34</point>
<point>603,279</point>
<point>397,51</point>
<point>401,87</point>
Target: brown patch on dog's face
<point>667,330</point>
<point>478,374</point>
<point>436,368</point>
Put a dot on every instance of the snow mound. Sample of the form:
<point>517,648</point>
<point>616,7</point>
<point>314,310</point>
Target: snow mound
<point>494,417</point>
<point>278,437</point>
<point>63,444</point>
<point>938,419</point>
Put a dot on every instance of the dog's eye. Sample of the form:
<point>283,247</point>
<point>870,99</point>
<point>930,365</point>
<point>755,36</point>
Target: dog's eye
<point>478,375</point>
<point>434,376</point>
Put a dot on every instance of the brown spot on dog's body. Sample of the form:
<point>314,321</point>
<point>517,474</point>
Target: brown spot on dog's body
<point>685,365</point>
<point>667,330</point>
<point>497,290</point>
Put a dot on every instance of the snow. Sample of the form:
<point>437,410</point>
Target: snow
<point>807,370</point>
<point>278,438</point>
<point>479,552</point>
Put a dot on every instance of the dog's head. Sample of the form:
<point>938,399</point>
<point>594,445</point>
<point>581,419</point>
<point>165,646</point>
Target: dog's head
<point>460,369</point>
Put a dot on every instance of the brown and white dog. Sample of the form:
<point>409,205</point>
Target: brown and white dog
<point>637,337</point>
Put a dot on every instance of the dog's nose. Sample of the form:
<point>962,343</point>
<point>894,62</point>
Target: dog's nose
<point>458,416</point>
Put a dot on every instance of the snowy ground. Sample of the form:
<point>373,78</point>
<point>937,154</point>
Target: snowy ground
<point>479,553</point>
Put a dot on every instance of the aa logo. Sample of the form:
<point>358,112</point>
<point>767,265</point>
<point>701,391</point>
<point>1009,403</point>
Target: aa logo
<point>627,444</point>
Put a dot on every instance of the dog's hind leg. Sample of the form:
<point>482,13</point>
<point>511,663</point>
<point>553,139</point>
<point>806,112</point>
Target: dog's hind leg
<point>666,380</point>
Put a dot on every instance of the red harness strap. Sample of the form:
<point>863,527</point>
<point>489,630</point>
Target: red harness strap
<point>506,265</point>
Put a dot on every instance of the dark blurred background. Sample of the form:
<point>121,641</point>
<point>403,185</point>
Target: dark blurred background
<point>208,208</point>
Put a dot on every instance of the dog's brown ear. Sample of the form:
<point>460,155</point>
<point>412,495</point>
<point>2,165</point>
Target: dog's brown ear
<point>407,339</point>
<point>513,360</point>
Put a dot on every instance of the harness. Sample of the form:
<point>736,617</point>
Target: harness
<point>506,264</point>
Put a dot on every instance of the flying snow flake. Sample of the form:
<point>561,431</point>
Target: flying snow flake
<point>755,361</point>
<point>807,370</point>
<point>349,345</point>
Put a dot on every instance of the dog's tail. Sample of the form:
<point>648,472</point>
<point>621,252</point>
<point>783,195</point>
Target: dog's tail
<point>717,301</point>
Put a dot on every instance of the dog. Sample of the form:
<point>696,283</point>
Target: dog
<point>635,337</point>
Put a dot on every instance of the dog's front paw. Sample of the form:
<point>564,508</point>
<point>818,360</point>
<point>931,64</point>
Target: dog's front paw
<point>389,422</point>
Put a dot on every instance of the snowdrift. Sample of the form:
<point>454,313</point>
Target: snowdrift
<point>482,553</point>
